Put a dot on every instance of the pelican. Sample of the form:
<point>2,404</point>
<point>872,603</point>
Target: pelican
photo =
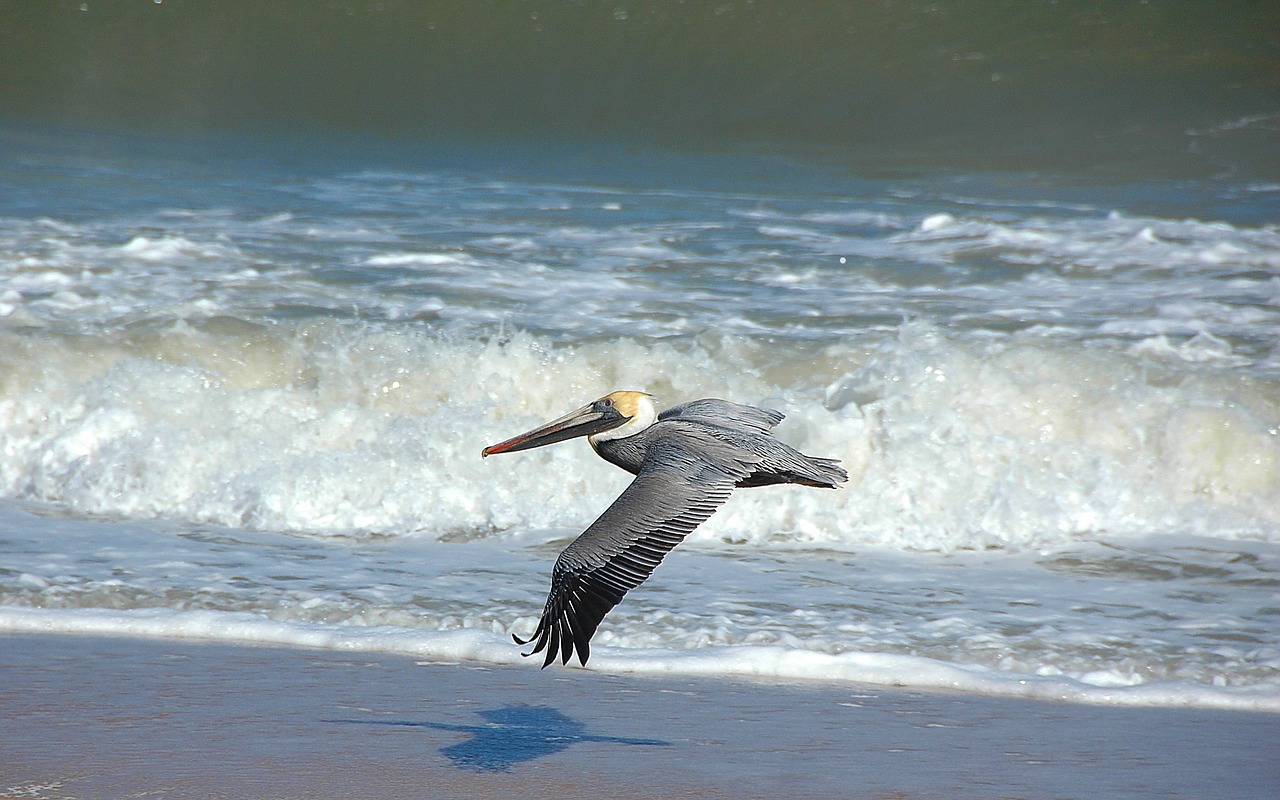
<point>687,460</point>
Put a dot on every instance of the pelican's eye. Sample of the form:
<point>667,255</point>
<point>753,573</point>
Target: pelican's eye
<point>607,402</point>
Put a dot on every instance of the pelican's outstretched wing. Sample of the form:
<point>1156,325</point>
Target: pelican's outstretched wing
<point>715,411</point>
<point>751,428</point>
<point>687,475</point>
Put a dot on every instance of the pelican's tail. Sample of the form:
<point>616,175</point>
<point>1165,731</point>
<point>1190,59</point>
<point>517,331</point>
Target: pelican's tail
<point>824,473</point>
<point>785,464</point>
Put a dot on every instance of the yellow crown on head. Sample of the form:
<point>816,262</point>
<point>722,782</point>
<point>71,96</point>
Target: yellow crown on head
<point>636,406</point>
<point>628,403</point>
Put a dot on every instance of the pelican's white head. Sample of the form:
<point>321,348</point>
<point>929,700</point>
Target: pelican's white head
<point>637,407</point>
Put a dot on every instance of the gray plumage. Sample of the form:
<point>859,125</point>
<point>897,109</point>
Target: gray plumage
<point>687,462</point>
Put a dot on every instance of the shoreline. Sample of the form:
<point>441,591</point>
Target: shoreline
<point>756,665</point>
<point>111,717</point>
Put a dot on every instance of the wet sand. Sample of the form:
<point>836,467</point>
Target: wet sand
<point>89,717</point>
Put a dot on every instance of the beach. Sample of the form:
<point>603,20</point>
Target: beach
<point>92,717</point>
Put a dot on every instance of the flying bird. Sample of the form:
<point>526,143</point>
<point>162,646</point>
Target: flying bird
<point>687,460</point>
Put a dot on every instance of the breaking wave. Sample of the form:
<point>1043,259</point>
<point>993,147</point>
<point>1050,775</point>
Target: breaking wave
<point>346,429</point>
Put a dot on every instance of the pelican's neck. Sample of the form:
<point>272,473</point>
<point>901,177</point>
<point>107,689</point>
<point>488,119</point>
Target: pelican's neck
<point>642,414</point>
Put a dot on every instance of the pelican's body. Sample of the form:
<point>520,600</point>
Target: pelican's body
<point>687,460</point>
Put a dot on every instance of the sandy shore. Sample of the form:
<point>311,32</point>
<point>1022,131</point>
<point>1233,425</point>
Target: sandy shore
<point>111,718</point>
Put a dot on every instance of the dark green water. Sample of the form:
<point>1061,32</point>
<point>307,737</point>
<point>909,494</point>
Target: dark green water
<point>1156,89</point>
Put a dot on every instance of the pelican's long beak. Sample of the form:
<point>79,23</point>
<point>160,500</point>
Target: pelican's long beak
<point>593,418</point>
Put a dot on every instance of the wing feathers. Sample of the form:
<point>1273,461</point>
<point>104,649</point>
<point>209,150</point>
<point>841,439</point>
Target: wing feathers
<point>692,460</point>
<point>714,411</point>
<point>676,491</point>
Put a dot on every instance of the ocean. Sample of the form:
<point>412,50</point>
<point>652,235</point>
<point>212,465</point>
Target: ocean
<point>258,318</point>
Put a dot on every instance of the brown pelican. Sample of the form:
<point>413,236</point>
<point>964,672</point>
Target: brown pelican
<point>686,460</point>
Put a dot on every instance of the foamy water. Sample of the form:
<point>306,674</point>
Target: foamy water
<point>258,418</point>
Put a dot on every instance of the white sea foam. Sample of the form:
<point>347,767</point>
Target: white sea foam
<point>331,429</point>
<point>164,623</point>
<point>416,259</point>
<point>167,248</point>
<point>666,264</point>
<point>777,663</point>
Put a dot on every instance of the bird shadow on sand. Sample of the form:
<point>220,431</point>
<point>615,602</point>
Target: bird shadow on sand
<point>511,735</point>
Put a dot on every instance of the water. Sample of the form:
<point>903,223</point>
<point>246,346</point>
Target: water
<point>247,375</point>
<point>1095,86</point>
